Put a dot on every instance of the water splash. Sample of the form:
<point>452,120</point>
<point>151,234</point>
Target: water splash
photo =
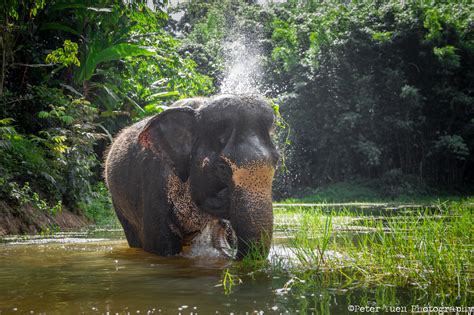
<point>202,245</point>
<point>243,66</point>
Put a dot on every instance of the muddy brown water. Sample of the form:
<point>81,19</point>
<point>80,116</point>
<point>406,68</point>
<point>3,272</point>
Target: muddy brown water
<point>97,273</point>
<point>74,273</point>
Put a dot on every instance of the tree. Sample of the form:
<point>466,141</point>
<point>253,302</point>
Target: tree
<point>74,73</point>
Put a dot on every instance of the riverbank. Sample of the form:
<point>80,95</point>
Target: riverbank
<point>28,213</point>
<point>377,192</point>
<point>26,219</point>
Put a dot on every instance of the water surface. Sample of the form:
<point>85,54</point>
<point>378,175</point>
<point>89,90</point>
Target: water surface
<point>99,273</point>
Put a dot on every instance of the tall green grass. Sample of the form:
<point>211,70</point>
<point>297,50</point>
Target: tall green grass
<point>427,251</point>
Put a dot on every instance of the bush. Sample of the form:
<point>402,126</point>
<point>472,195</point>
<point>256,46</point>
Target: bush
<point>99,208</point>
<point>394,184</point>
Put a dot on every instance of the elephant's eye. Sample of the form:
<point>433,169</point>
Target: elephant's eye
<point>223,135</point>
<point>222,139</point>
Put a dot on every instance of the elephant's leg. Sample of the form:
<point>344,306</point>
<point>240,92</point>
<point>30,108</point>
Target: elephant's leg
<point>160,235</point>
<point>130,232</point>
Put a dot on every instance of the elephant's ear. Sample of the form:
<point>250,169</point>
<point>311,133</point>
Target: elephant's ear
<point>172,132</point>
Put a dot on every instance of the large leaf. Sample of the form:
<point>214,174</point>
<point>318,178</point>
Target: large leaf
<point>115,52</point>
<point>78,5</point>
<point>164,94</point>
<point>99,9</point>
<point>120,51</point>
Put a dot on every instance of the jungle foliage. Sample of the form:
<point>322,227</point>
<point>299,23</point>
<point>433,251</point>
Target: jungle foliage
<point>378,90</point>
<point>73,73</point>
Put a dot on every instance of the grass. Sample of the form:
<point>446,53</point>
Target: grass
<point>427,252</point>
<point>381,192</point>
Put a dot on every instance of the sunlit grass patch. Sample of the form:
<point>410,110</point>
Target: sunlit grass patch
<point>428,251</point>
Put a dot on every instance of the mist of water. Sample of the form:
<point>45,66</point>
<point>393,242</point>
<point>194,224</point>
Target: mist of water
<point>243,66</point>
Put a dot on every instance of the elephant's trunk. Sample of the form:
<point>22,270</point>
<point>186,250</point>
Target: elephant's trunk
<point>251,211</point>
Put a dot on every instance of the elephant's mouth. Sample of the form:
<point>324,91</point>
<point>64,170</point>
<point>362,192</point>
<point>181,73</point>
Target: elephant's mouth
<point>217,204</point>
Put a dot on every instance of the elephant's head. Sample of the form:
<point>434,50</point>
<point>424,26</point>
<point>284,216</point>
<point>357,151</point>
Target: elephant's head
<point>223,148</point>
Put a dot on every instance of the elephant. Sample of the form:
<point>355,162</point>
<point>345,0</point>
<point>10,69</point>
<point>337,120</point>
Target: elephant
<point>201,163</point>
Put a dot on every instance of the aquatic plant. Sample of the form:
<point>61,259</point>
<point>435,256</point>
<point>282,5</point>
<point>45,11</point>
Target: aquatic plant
<point>229,280</point>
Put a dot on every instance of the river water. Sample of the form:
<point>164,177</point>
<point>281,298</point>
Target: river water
<point>98,273</point>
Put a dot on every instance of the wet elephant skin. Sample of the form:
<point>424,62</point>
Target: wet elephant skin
<point>203,162</point>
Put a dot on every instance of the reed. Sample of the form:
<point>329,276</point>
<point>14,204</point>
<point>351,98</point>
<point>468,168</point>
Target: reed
<point>427,251</point>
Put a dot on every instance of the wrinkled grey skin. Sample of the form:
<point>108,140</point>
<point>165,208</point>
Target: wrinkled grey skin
<point>202,162</point>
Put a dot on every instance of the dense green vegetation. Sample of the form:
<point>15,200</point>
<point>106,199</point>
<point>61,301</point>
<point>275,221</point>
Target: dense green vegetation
<point>376,98</point>
<point>73,73</point>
